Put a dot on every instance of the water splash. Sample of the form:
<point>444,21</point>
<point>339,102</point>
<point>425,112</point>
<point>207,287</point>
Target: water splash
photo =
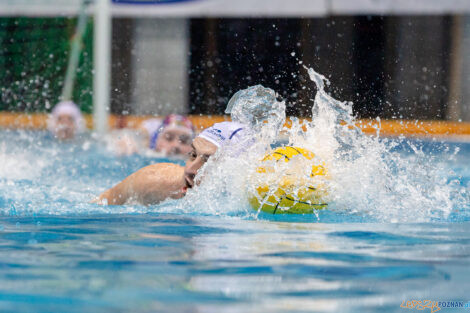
<point>225,193</point>
<point>371,178</point>
<point>39,175</point>
<point>367,176</point>
<point>258,107</point>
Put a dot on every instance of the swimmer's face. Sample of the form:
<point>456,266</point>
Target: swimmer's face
<point>201,150</point>
<point>65,127</point>
<point>174,142</point>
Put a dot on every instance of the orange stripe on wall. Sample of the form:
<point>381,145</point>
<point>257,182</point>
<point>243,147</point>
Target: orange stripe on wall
<point>387,127</point>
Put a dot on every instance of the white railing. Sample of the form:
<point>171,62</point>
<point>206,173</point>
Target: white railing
<point>239,8</point>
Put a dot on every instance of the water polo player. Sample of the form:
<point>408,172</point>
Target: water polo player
<point>65,120</point>
<point>155,183</point>
<point>173,137</point>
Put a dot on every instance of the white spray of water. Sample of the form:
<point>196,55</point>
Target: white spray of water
<point>225,192</point>
<point>365,177</point>
<point>19,165</point>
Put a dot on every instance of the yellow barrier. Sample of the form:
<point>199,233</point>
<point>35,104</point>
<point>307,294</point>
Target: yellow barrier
<point>387,127</point>
<point>39,120</point>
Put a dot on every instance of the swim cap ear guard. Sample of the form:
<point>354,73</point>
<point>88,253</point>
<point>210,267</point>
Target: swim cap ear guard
<point>154,137</point>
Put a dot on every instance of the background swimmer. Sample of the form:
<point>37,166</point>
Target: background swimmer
<point>174,136</point>
<point>171,136</point>
<point>65,121</point>
<point>155,183</point>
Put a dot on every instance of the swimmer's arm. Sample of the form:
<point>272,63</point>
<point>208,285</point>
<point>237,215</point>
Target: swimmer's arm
<point>117,195</point>
<point>149,185</point>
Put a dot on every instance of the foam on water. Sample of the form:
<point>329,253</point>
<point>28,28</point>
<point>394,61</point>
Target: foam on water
<point>39,175</point>
<point>19,165</point>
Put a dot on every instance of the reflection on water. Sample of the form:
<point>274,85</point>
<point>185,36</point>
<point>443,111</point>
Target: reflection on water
<point>168,263</point>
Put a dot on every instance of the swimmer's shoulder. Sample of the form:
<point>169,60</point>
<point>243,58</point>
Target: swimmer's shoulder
<point>150,184</point>
<point>157,182</point>
<point>169,170</point>
<point>159,175</point>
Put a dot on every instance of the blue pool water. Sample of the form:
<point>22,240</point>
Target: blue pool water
<point>59,253</point>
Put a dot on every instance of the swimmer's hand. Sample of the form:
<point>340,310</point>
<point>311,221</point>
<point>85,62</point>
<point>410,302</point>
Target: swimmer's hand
<point>99,200</point>
<point>149,185</point>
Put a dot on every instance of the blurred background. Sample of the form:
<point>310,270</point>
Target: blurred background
<point>393,59</point>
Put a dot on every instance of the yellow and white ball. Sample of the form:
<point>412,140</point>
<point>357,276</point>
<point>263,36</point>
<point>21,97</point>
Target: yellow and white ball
<point>288,182</point>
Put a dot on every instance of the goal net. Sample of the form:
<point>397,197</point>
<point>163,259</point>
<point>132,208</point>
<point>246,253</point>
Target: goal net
<point>34,52</point>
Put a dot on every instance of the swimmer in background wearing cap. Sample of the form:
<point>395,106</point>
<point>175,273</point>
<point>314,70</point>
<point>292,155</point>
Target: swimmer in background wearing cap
<point>155,183</point>
<point>174,136</point>
<point>65,121</point>
<point>170,137</point>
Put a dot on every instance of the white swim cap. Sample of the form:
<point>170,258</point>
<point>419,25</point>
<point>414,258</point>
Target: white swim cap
<point>66,108</point>
<point>223,133</point>
<point>151,125</point>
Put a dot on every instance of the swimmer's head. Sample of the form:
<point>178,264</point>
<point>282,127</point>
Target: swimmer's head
<point>174,136</point>
<point>225,134</point>
<point>65,120</point>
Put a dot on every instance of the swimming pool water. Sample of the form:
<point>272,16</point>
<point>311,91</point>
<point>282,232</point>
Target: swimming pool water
<point>176,263</point>
<point>59,253</point>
